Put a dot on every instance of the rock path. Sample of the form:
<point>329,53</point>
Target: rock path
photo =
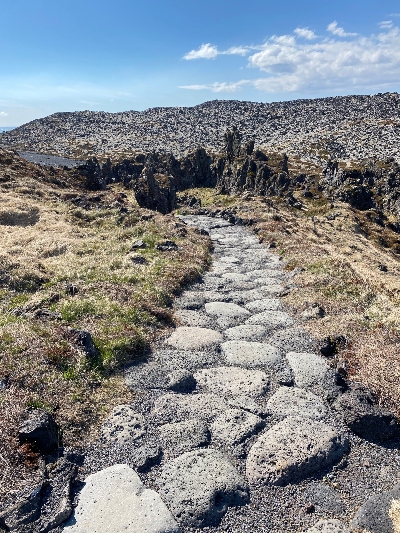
<point>239,424</point>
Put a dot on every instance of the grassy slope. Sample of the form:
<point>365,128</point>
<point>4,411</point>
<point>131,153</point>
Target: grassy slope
<point>49,245</point>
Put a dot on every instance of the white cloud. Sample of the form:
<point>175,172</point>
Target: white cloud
<point>336,30</point>
<point>206,51</point>
<point>237,50</point>
<point>217,87</point>
<point>386,24</point>
<point>367,62</point>
<point>394,15</point>
<point>209,51</point>
<point>305,33</point>
<point>3,114</point>
<point>342,63</point>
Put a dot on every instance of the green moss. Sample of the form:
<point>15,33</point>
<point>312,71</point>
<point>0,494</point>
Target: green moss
<point>121,350</point>
<point>76,309</point>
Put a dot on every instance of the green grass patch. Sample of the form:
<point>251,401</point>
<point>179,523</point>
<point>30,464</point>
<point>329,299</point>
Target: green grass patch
<point>74,310</point>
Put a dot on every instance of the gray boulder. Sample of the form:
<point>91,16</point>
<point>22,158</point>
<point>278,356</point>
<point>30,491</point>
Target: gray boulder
<point>190,300</point>
<point>194,338</point>
<point>184,436</point>
<point>293,339</point>
<point>251,354</point>
<point>223,309</point>
<point>116,497</point>
<point>358,409</point>
<point>171,407</point>
<point>124,425</point>
<point>233,381</point>
<point>290,401</point>
<point>265,304</point>
<point>40,430</point>
<point>312,312</point>
<point>292,450</point>
<point>82,340</point>
<point>312,372</point>
<point>246,333</point>
<point>234,426</point>
<point>271,319</point>
<point>199,486</point>
<point>380,513</point>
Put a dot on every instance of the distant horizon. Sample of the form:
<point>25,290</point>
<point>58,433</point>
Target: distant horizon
<point>138,56</point>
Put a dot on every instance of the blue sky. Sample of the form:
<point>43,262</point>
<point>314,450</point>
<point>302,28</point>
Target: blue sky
<point>70,55</point>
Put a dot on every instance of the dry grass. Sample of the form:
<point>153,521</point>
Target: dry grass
<point>339,249</point>
<point>76,264</point>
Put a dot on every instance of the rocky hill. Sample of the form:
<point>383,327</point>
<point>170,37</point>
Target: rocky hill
<point>348,127</point>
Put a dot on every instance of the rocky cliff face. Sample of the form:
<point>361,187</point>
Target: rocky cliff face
<point>253,171</point>
<point>156,177</point>
<point>155,191</point>
<point>370,185</point>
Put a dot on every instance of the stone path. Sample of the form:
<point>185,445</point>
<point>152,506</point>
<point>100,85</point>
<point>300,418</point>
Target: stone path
<point>239,423</point>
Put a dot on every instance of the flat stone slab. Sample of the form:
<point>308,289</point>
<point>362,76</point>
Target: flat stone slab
<point>329,526</point>
<point>235,276</point>
<point>247,404</point>
<point>199,486</point>
<point>309,369</point>
<point>194,338</point>
<point>261,273</point>
<point>115,500</point>
<point>261,292</point>
<point>250,354</point>
<point>185,436</point>
<point>226,310</point>
<point>291,401</point>
<point>292,450</point>
<point>271,319</point>
<point>234,426</point>
<point>190,300</point>
<point>189,359</point>
<point>293,339</point>
<point>246,332</point>
<point>229,259</point>
<point>264,304</point>
<point>179,407</point>
<point>196,319</point>
<point>233,381</point>
<point>124,425</point>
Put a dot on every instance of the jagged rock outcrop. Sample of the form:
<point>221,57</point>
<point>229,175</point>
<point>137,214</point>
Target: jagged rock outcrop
<point>156,191</point>
<point>197,170</point>
<point>98,176</point>
<point>371,185</point>
<point>232,143</point>
<point>255,172</point>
